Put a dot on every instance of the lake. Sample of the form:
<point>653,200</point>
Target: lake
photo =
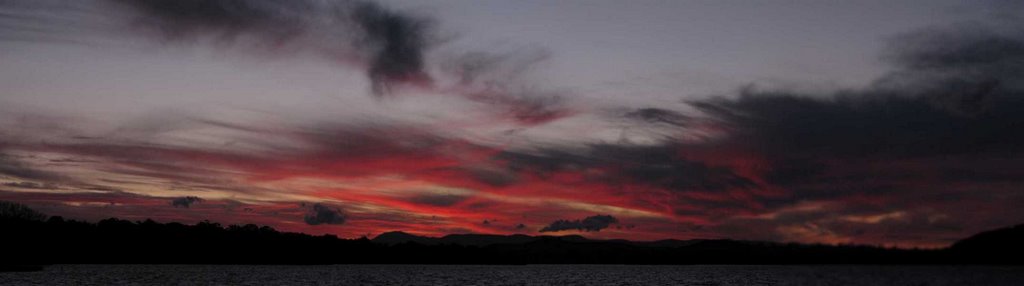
<point>561,275</point>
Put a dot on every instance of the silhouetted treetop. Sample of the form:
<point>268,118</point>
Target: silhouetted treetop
<point>16,211</point>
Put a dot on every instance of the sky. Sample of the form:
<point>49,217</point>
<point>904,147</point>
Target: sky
<point>843,122</point>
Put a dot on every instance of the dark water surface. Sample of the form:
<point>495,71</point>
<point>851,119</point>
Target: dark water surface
<point>559,275</point>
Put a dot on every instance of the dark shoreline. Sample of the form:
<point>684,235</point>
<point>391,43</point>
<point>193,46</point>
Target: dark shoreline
<point>113,241</point>
<point>33,240</point>
<point>534,274</point>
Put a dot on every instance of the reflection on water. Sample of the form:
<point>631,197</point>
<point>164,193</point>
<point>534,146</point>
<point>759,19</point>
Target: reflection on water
<point>561,275</point>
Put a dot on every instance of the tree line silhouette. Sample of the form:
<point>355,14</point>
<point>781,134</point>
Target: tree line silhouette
<point>30,237</point>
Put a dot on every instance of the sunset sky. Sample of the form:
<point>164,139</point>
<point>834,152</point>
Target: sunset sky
<point>897,123</point>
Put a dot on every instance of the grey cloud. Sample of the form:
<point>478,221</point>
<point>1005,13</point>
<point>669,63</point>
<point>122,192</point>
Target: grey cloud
<point>12,167</point>
<point>493,67</point>
<point>323,214</point>
<point>32,185</point>
<point>500,77</point>
<point>492,176</point>
<point>440,200</point>
<point>591,223</point>
<point>185,202</point>
<point>390,43</point>
<point>658,115</point>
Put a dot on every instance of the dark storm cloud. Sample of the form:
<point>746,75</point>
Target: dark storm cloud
<point>185,202</point>
<point>591,223</point>
<point>956,47</point>
<point>865,125</point>
<point>391,44</point>
<point>923,149</point>
<point>649,175</point>
<point>654,165</point>
<point>399,41</point>
<point>974,175</point>
<point>953,92</point>
<point>961,68</point>
<point>323,214</point>
<point>394,42</point>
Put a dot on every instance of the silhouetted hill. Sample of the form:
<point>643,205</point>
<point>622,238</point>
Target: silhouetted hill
<point>1004,245</point>
<point>398,237</point>
<point>50,241</point>
<point>1003,239</point>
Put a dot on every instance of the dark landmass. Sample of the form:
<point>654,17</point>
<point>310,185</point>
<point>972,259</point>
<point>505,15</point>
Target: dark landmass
<point>30,238</point>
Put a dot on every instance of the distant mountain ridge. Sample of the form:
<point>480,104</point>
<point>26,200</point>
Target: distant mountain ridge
<point>998,246</point>
<point>994,240</point>
<point>400,237</point>
<point>56,241</point>
<point>479,240</point>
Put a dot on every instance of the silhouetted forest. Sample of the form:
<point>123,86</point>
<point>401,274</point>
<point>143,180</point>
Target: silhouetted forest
<point>30,237</point>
